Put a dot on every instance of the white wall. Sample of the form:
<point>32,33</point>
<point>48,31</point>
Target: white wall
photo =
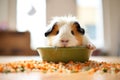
<point>60,8</point>
<point>111,12</point>
<point>53,8</point>
<point>3,10</point>
<point>8,13</point>
<point>12,14</point>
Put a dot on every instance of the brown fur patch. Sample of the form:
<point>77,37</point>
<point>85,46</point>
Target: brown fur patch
<point>54,32</point>
<point>77,35</point>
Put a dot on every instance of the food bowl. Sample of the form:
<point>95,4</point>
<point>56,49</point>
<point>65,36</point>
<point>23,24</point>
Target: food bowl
<point>57,54</point>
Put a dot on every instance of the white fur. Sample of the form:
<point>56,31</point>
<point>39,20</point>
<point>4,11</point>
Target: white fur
<point>65,32</point>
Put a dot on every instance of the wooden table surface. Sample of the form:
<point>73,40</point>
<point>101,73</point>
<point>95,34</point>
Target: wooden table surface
<point>38,76</point>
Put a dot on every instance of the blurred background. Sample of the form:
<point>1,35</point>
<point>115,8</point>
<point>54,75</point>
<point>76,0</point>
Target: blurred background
<point>22,24</point>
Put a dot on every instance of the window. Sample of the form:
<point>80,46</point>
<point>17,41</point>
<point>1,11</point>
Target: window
<point>89,13</point>
<point>31,16</point>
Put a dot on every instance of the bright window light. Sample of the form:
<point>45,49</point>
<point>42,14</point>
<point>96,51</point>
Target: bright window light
<point>31,16</point>
<point>90,15</point>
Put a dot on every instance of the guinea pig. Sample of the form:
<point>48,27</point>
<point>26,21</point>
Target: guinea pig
<point>66,32</point>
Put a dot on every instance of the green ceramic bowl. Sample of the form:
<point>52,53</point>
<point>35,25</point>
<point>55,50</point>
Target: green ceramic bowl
<point>55,54</point>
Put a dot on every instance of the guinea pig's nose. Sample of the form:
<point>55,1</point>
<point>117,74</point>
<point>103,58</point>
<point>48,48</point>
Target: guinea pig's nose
<point>64,41</point>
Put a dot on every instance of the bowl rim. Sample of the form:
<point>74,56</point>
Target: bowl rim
<point>76,47</point>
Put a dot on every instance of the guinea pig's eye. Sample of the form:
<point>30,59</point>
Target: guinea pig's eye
<point>72,32</point>
<point>57,32</point>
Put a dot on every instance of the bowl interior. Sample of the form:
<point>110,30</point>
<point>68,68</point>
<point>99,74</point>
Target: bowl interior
<point>56,54</point>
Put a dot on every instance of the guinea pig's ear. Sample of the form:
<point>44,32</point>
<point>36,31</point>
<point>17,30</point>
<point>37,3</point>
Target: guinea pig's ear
<point>79,29</point>
<point>49,30</point>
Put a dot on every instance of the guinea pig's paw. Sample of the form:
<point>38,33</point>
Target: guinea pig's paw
<point>91,46</point>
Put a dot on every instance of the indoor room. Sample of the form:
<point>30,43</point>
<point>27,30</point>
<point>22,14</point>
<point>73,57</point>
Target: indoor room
<point>23,24</point>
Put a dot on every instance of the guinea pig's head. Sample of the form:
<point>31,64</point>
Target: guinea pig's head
<point>64,32</point>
